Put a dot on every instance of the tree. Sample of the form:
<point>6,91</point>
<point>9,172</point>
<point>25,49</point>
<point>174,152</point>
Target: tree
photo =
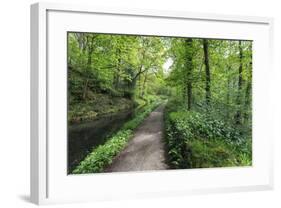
<point>207,71</point>
<point>240,82</point>
<point>90,49</point>
<point>213,73</point>
<point>248,65</point>
<point>189,68</point>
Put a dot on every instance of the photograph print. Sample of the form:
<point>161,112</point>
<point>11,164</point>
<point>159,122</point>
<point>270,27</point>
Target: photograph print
<point>148,103</point>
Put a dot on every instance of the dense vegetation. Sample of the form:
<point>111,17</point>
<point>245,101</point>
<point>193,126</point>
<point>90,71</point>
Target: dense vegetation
<point>197,140</point>
<point>109,73</point>
<point>207,84</point>
<point>208,123</point>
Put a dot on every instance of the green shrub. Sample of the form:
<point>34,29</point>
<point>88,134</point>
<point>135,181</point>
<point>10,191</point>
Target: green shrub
<point>103,154</point>
<point>211,153</point>
<point>195,140</point>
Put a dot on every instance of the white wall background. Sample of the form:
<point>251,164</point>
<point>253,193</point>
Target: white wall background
<point>14,102</point>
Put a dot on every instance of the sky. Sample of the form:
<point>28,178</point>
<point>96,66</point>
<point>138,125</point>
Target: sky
<point>167,65</point>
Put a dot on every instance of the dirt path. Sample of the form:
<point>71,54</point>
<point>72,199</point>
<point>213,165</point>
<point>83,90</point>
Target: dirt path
<point>145,151</point>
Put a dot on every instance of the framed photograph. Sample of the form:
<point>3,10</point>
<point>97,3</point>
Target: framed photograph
<point>138,103</point>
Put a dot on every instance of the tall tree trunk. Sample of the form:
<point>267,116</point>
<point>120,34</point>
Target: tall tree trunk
<point>85,89</point>
<point>228,95</point>
<point>207,71</point>
<point>248,97</point>
<point>144,83</point>
<point>133,84</point>
<point>118,69</point>
<point>240,83</point>
<point>140,85</point>
<point>189,67</point>
<point>247,101</point>
<point>88,67</point>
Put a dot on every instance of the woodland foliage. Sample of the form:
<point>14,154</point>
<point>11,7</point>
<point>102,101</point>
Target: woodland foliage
<point>207,83</point>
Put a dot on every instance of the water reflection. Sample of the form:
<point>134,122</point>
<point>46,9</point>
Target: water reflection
<point>83,137</point>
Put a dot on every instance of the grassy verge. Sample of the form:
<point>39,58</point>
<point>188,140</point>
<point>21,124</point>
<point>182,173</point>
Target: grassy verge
<point>195,140</point>
<point>103,155</point>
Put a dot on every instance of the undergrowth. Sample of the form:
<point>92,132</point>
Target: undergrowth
<point>196,140</point>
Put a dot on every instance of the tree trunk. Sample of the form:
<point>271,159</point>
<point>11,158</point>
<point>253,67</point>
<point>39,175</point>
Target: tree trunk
<point>240,83</point>
<point>144,83</point>
<point>247,97</point>
<point>139,85</point>
<point>88,68</point>
<point>189,67</point>
<point>207,71</point>
<point>138,77</point>
<point>134,83</point>
<point>247,101</point>
<point>228,95</point>
<point>118,70</point>
<point>85,89</point>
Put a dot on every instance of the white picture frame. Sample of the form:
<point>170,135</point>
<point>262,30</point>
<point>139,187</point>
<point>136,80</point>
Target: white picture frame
<point>49,180</point>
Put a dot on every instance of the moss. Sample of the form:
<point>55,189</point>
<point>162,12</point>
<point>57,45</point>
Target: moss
<point>99,105</point>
